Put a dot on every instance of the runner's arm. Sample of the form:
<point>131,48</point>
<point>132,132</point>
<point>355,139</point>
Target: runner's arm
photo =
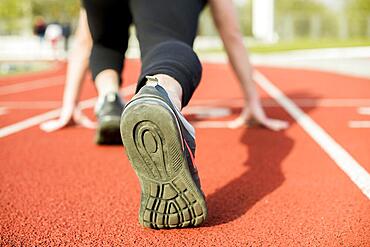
<point>77,66</point>
<point>225,18</point>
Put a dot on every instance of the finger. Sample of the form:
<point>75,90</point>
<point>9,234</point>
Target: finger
<point>87,123</point>
<point>237,123</point>
<point>211,124</point>
<point>281,124</point>
<point>52,125</point>
<point>275,125</point>
<point>245,114</point>
<point>83,120</point>
<point>240,121</point>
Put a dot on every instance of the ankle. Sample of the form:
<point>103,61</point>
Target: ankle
<point>176,101</point>
<point>107,82</point>
<point>172,87</point>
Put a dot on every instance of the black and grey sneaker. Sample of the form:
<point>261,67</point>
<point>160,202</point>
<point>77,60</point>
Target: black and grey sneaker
<point>160,145</point>
<point>108,113</point>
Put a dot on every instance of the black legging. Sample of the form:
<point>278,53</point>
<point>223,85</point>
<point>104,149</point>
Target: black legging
<point>165,29</point>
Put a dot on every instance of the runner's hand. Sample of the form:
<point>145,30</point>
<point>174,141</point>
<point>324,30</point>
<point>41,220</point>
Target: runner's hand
<point>68,119</point>
<point>253,114</point>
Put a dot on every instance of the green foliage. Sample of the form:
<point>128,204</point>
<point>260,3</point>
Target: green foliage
<point>56,9</point>
<point>298,44</point>
<point>17,15</point>
<point>245,17</point>
<point>359,5</point>
<point>10,9</point>
<point>358,14</point>
<point>307,6</point>
<point>301,44</point>
<point>297,18</point>
<point>207,27</point>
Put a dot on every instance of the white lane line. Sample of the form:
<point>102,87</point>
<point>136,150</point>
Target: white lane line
<point>212,124</point>
<point>28,123</point>
<point>363,110</point>
<point>207,111</point>
<point>31,104</point>
<point>36,120</point>
<point>302,102</point>
<point>341,157</point>
<point>217,103</point>
<point>332,102</point>
<point>31,85</point>
<point>359,124</point>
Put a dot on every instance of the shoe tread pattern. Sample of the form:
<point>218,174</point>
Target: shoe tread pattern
<point>170,198</point>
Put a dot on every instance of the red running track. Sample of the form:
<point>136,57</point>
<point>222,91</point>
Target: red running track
<point>263,188</point>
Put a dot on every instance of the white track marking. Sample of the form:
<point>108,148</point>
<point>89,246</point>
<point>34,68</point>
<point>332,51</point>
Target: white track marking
<point>36,120</point>
<point>31,104</point>
<point>196,106</point>
<point>363,110</point>
<point>211,124</point>
<point>31,85</point>
<point>28,123</point>
<point>302,102</point>
<point>207,111</point>
<point>359,124</point>
<point>338,154</point>
<point>238,103</point>
<point>331,102</point>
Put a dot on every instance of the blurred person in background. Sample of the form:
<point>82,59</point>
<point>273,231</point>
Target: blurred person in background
<point>54,34</point>
<point>39,28</point>
<point>66,32</point>
<point>78,61</point>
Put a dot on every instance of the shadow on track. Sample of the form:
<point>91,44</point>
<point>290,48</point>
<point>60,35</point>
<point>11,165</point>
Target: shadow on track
<point>266,151</point>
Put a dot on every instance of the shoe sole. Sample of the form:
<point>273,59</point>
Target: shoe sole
<point>169,196</point>
<point>108,131</point>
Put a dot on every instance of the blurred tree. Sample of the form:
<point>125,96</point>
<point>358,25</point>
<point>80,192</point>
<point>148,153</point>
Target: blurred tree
<point>245,17</point>
<point>356,5</point>
<point>17,15</point>
<point>358,14</point>
<point>244,10</point>
<point>288,6</point>
<point>56,10</point>
<point>303,18</point>
<point>11,11</point>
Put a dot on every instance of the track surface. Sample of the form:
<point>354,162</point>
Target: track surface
<point>263,188</point>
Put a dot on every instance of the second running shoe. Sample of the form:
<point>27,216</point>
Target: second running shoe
<point>160,145</point>
<point>108,113</point>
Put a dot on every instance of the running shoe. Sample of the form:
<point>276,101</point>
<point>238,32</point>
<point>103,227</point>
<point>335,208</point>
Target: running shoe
<point>160,145</point>
<point>108,113</point>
